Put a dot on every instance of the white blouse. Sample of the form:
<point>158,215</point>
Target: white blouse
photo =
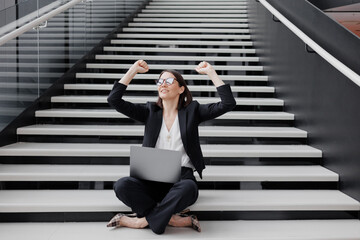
<point>171,140</point>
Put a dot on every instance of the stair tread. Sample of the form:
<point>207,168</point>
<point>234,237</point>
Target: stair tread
<point>213,25</point>
<point>123,150</point>
<point>182,36</point>
<point>138,130</point>
<point>209,200</point>
<point>153,87</point>
<point>186,30</point>
<point>156,76</point>
<point>110,113</point>
<point>239,229</point>
<point>179,50</point>
<point>194,7</point>
<point>184,42</point>
<point>187,15</point>
<point>176,58</point>
<point>198,11</point>
<point>144,99</point>
<point>174,66</point>
<point>193,20</point>
<point>42,172</point>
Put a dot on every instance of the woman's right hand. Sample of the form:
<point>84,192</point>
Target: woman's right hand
<point>140,66</point>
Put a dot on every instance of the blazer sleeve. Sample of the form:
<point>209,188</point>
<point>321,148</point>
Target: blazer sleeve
<point>138,112</point>
<point>214,110</point>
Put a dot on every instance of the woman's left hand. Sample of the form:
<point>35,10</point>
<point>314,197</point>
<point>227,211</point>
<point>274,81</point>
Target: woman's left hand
<point>205,68</point>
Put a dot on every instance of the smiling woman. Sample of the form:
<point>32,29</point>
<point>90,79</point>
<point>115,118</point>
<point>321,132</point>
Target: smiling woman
<point>172,79</point>
<point>171,123</point>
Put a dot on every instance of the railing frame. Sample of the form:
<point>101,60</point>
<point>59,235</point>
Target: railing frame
<point>37,22</point>
<point>353,76</point>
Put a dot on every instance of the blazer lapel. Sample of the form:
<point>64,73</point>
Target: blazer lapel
<point>156,124</point>
<point>182,114</point>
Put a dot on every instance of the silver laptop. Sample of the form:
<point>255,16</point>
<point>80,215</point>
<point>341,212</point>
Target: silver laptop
<point>155,164</point>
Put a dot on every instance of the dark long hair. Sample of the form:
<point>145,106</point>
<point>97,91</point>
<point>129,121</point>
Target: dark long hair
<point>185,98</point>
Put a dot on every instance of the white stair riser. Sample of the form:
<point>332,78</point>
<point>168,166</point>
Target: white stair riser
<point>123,150</point>
<point>178,50</point>
<point>212,173</point>
<point>186,30</point>
<point>178,67</point>
<point>86,113</point>
<point>131,130</point>
<point>186,77</point>
<point>101,99</point>
<point>151,87</point>
<point>182,36</point>
<point>216,20</point>
<point>176,42</point>
<point>176,58</point>
<point>209,200</point>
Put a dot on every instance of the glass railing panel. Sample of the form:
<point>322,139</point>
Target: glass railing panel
<point>25,11</point>
<point>62,44</point>
<point>19,76</point>
<point>32,62</point>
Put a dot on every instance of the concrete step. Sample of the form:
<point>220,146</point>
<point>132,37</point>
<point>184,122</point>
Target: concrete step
<point>43,172</point>
<point>185,76</point>
<point>110,113</point>
<point>184,42</point>
<point>15,201</point>
<point>198,3</point>
<point>153,36</point>
<point>211,25</point>
<point>123,150</point>
<point>143,99</point>
<point>179,50</point>
<point>176,58</point>
<point>175,66</point>
<point>152,87</point>
<point>138,130</point>
<point>198,11</point>
<point>211,230</point>
<point>202,20</point>
<point>192,15</point>
<point>195,7</point>
<point>186,30</point>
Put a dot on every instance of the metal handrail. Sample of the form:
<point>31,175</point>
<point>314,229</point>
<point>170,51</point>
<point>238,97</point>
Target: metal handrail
<point>37,22</point>
<point>353,76</point>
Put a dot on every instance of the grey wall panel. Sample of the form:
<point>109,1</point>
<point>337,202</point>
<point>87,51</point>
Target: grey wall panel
<point>326,4</point>
<point>324,101</point>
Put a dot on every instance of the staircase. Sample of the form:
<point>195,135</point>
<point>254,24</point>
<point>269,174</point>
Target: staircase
<point>262,180</point>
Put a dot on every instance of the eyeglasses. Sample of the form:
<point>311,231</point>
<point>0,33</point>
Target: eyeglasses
<point>168,81</point>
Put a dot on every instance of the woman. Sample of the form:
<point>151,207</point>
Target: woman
<point>171,123</point>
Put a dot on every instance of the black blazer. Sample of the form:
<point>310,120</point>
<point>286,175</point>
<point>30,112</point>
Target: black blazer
<point>189,119</point>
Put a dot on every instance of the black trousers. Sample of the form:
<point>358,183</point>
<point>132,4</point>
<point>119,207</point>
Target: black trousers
<point>158,201</point>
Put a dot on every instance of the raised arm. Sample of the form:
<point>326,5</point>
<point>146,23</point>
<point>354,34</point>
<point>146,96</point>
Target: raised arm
<point>227,103</point>
<point>206,68</point>
<point>140,66</point>
<point>115,99</point>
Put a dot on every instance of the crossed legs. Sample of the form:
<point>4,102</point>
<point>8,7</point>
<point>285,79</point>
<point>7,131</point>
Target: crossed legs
<point>155,203</point>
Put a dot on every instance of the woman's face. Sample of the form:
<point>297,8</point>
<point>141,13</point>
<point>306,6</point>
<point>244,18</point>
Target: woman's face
<point>169,92</point>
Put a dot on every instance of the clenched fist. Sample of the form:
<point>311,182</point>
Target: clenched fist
<point>140,66</point>
<point>205,68</point>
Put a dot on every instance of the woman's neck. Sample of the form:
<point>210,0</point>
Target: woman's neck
<point>170,107</point>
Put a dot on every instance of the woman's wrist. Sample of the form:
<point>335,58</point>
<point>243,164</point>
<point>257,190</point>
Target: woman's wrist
<point>129,75</point>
